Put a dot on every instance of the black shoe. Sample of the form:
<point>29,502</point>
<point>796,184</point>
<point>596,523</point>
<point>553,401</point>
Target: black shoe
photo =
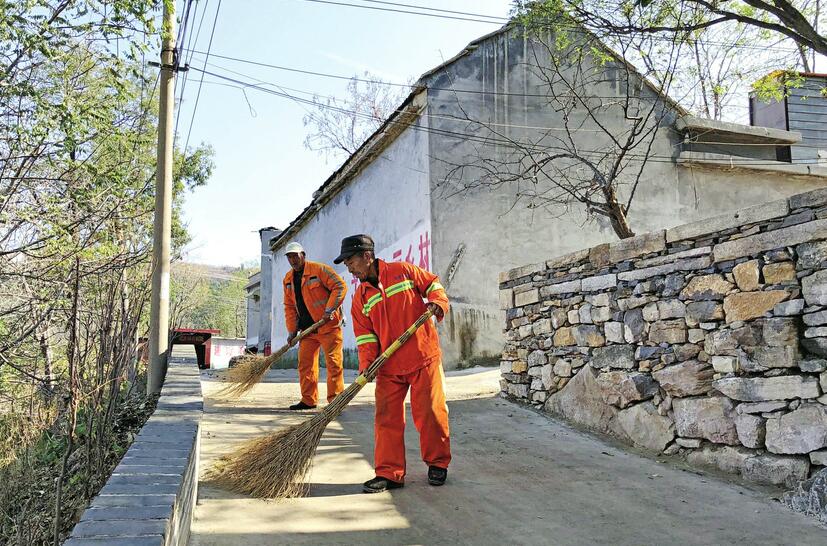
<point>379,484</point>
<point>436,475</point>
<point>301,406</point>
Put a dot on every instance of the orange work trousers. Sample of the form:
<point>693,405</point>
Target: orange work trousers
<point>331,344</point>
<point>430,416</point>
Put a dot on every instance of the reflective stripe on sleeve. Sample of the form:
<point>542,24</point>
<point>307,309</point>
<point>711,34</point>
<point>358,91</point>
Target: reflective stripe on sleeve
<point>434,286</point>
<point>367,338</point>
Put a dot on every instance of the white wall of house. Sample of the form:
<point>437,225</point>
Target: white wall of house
<point>389,200</point>
<point>265,322</point>
<point>253,297</point>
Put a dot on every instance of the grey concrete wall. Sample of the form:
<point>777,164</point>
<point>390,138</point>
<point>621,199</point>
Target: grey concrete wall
<point>149,498</point>
<point>253,298</point>
<point>265,326</point>
<point>389,199</point>
<point>498,229</point>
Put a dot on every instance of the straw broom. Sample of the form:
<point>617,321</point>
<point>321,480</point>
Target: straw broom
<point>275,465</point>
<point>251,369</point>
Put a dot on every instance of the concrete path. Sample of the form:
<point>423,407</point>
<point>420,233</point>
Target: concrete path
<point>517,478</point>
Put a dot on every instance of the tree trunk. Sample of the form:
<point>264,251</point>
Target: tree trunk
<point>72,402</point>
<point>43,336</point>
<point>617,213</point>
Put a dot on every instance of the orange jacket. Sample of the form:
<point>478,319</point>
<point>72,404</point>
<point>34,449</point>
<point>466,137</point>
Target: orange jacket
<point>380,315</point>
<point>322,288</point>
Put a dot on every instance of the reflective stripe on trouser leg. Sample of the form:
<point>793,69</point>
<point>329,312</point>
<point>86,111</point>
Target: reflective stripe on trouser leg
<point>309,369</point>
<point>430,414</point>
<point>389,427</point>
<point>332,346</point>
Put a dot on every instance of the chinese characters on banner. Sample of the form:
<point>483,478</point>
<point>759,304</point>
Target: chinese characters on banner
<point>415,248</point>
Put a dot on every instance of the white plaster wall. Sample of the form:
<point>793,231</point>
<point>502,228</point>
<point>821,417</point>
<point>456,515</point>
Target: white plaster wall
<point>253,316</point>
<point>389,200</point>
<point>222,349</point>
<point>265,322</point>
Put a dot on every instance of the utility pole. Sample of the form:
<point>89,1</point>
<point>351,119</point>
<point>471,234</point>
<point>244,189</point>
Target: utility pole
<point>159,312</point>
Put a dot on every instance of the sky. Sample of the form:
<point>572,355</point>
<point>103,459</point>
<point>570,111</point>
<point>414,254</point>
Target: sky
<point>263,174</point>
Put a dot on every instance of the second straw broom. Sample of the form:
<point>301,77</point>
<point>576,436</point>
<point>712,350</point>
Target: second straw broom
<point>275,465</point>
<point>251,369</point>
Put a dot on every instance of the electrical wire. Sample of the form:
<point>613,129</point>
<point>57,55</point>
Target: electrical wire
<point>187,63</point>
<point>491,19</point>
<point>482,140</point>
<point>314,94</point>
<point>201,82</point>
<point>182,34</point>
<point>431,130</point>
<point>410,86</point>
<point>392,10</point>
<point>427,8</point>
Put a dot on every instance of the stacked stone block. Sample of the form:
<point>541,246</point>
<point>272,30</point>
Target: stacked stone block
<point>707,340</point>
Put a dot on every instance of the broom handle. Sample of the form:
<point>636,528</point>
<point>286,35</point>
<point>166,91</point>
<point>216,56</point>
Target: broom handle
<point>304,333</point>
<point>370,372</point>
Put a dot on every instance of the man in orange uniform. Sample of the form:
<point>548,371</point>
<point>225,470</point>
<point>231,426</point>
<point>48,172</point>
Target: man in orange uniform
<point>313,291</point>
<point>388,300</point>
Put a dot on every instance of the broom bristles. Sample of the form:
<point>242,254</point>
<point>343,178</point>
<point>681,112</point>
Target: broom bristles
<point>248,373</point>
<point>251,369</point>
<point>275,465</point>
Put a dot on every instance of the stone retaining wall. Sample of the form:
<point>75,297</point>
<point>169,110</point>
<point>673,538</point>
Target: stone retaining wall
<point>150,497</point>
<point>705,340</point>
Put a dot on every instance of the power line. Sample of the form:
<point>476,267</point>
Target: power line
<point>187,62</point>
<point>400,85</point>
<point>284,90</point>
<point>376,8</point>
<point>466,136</point>
<point>453,12</point>
<point>201,82</point>
<point>491,19</point>
<point>182,30</point>
<point>436,116</point>
<point>182,33</point>
<point>481,139</point>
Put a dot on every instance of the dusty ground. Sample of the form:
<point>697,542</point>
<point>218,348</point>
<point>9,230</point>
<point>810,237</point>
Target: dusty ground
<point>517,478</point>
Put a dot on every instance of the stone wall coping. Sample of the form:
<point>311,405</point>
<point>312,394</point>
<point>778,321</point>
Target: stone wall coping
<point>655,242</point>
<point>779,238</point>
<point>148,500</point>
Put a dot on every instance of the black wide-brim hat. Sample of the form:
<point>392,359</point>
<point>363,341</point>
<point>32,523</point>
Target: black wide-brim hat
<point>353,244</point>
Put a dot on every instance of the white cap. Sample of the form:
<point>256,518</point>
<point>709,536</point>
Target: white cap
<point>293,247</point>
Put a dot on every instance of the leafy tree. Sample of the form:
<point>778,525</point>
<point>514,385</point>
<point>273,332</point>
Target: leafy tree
<point>77,142</point>
<point>202,297</point>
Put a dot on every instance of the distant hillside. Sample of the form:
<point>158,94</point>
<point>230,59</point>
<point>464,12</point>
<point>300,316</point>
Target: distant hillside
<point>208,296</point>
